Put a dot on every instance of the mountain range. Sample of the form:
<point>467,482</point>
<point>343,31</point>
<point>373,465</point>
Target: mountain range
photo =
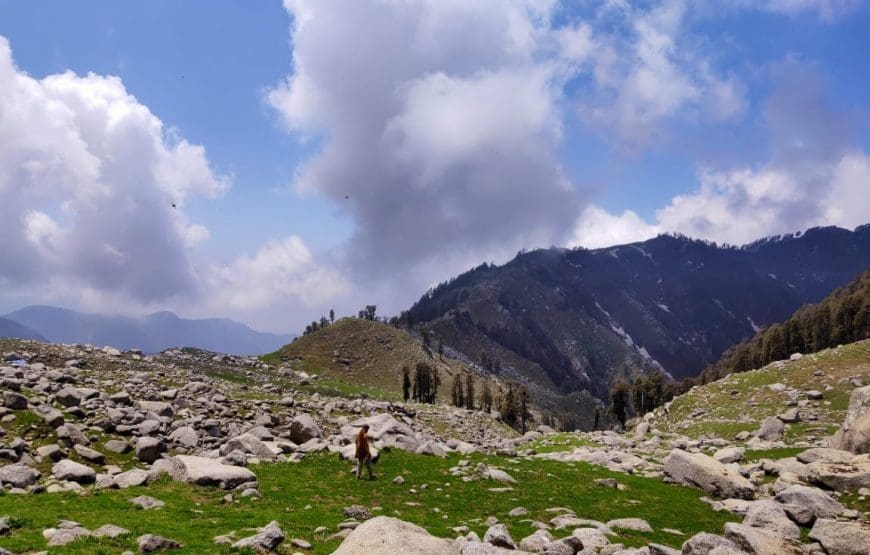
<point>572,320</point>
<point>151,334</point>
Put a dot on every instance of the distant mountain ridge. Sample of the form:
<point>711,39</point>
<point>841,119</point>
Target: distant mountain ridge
<point>13,330</point>
<point>153,333</point>
<point>572,320</point>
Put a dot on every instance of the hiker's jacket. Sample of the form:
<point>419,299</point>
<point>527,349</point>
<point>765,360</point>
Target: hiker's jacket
<point>362,445</point>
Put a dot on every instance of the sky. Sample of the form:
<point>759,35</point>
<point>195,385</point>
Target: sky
<point>267,162</point>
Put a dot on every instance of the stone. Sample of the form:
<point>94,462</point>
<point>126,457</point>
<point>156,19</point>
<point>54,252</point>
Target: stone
<point>70,435</point>
<point>149,449</point>
<point>536,541</point>
<point>591,538</point>
<point>499,536</point>
<point>14,401</point>
<point>854,434</point>
<point>18,475</point>
<point>791,416</point>
<point>68,397</point>
<point>303,428</point>
<point>74,472</point>
<point>842,538</point>
<point>149,543</point>
<point>495,474</point>
<point>157,407</point>
<point>185,436</point>
<point>704,543</point>
<point>145,502</point>
<point>266,540</point>
<point>131,478</point>
<point>850,476</point>
<point>729,454</point>
<point>518,511</point>
<point>759,542</point>
<point>117,446</point>
<point>90,455</point>
<point>248,443</point>
<point>708,474</point>
<point>771,516</point>
<point>109,531</point>
<point>771,429</point>
<point>824,454</point>
<point>202,471</point>
<point>636,524</point>
<point>65,536</point>
<point>815,500</point>
<point>52,417</point>
<point>387,536</point>
<point>358,512</point>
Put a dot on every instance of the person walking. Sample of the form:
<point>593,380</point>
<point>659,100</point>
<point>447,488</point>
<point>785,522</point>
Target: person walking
<point>363,453</point>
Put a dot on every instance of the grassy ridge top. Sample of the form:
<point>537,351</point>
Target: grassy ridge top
<point>740,402</point>
<point>366,354</point>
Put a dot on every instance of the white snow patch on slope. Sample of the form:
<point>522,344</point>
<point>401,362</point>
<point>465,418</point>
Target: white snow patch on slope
<point>663,307</point>
<point>755,327</point>
<point>642,251</point>
<point>773,276</point>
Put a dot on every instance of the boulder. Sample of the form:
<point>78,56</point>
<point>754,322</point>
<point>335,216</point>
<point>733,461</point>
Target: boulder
<point>149,449</point>
<point>149,543</point>
<point>203,471</point>
<point>771,516</point>
<point>729,454</point>
<point>303,428</point>
<point>18,475</point>
<point>248,443</point>
<point>384,535</point>
<point>636,524</point>
<point>109,531</point>
<point>131,478</point>
<point>850,476</point>
<point>68,397</point>
<point>499,536</point>
<point>73,472</point>
<point>815,500</point>
<point>771,429</point>
<point>842,538</point>
<point>266,540</point>
<point>117,446</point>
<point>157,407</point>
<point>185,436</point>
<point>699,470</point>
<point>14,401</point>
<point>704,543</point>
<point>854,435</point>
<point>760,542</point>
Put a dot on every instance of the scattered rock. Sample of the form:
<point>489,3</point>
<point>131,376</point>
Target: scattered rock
<point>74,472</point>
<point>266,540</point>
<point>699,470</point>
<point>842,538</point>
<point>149,543</point>
<point>145,502</point>
<point>388,536</point>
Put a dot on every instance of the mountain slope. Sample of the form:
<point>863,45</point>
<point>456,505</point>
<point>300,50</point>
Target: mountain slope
<point>369,354</point>
<point>14,330</point>
<point>573,319</point>
<point>842,317</point>
<point>151,334</point>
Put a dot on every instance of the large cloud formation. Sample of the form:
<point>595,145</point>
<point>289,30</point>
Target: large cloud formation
<point>441,122</point>
<point>89,176</point>
<point>93,188</point>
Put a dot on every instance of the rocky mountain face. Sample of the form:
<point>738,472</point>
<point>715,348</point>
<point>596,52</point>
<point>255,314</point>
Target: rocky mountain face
<point>151,334</point>
<point>571,320</point>
<point>14,330</point>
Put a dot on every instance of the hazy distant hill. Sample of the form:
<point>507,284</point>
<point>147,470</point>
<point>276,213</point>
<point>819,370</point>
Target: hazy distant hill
<point>14,330</point>
<point>152,334</point>
<point>573,319</point>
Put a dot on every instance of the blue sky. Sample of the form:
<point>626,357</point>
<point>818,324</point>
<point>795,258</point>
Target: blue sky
<point>360,153</point>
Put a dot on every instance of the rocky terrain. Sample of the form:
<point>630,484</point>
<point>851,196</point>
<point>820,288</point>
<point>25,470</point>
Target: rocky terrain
<point>196,452</point>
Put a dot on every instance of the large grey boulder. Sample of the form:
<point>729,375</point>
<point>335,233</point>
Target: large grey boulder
<point>850,476</point>
<point>771,429</point>
<point>149,543</point>
<point>771,516</point>
<point>14,401</point>
<point>149,449</point>
<point>760,542</point>
<point>18,475</point>
<point>303,428</point>
<point>50,415</point>
<point>383,535</point>
<point>708,474</point>
<point>854,435</point>
<point>842,538</point>
<point>266,540</point>
<point>499,536</point>
<point>247,443</point>
<point>159,408</point>
<point>185,436</point>
<point>815,500</point>
<point>69,397</point>
<point>203,471</point>
<point>73,472</point>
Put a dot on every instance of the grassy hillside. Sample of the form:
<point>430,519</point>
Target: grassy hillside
<point>311,494</point>
<point>367,356</point>
<point>740,402</point>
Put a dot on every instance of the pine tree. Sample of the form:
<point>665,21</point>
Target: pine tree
<point>406,383</point>
<point>469,391</point>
